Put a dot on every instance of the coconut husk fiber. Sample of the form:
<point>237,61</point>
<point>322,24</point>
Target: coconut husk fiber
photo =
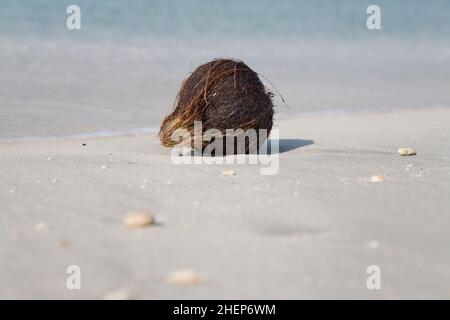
<point>223,94</point>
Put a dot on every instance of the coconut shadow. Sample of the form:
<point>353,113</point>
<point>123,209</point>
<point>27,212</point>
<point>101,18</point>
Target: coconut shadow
<point>284,145</point>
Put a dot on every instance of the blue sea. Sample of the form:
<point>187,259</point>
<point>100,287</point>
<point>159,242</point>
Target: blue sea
<point>121,71</point>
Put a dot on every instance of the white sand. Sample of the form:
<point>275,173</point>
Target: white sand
<point>308,232</point>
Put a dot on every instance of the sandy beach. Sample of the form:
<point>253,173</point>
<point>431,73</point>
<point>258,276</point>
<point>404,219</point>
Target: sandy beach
<point>309,231</point>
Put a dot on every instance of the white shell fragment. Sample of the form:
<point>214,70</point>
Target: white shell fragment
<point>408,151</point>
<point>120,294</point>
<point>377,178</point>
<point>183,277</point>
<point>228,173</point>
<point>138,220</point>
<point>41,227</point>
<point>373,244</point>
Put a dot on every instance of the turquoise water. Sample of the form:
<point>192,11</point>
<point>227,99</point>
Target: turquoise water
<point>121,71</point>
<point>116,19</point>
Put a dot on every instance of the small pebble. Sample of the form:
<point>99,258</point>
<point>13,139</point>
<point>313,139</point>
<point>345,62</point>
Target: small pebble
<point>65,243</point>
<point>372,244</point>
<point>16,234</point>
<point>103,167</point>
<point>406,151</point>
<point>41,227</point>
<point>186,227</point>
<point>183,277</point>
<point>377,178</point>
<point>308,280</point>
<point>138,219</point>
<point>49,158</point>
<point>228,173</point>
<point>83,144</point>
<point>120,294</point>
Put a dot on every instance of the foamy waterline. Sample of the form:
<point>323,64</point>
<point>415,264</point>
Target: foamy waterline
<point>83,135</point>
<point>280,116</point>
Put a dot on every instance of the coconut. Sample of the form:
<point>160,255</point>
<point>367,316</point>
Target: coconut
<point>222,94</point>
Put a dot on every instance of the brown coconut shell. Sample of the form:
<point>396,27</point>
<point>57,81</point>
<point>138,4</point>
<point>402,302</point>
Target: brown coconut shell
<point>223,94</point>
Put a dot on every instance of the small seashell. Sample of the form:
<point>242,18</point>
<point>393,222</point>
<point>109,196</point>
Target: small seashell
<point>16,234</point>
<point>308,280</point>
<point>228,173</point>
<point>120,294</point>
<point>41,227</point>
<point>377,178</point>
<point>138,219</point>
<point>64,243</point>
<point>372,244</point>
<point>183,277</point>
<point>407,151</point>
